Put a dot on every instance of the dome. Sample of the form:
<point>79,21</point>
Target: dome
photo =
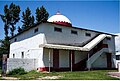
<point>60,19</point>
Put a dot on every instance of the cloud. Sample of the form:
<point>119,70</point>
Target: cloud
<point>117,42</point>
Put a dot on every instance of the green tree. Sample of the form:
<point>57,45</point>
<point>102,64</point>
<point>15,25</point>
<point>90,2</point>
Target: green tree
<point>27,19</point>
<point>32,21</point>
<point>19,29</point>
<point>14,11</point>
<point>4,46</point>
<point>41,15</point>
<point>10,18</point>
<point>6,19</point>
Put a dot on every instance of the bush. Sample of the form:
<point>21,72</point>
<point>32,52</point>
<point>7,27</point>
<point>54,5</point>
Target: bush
<point>17,71</point>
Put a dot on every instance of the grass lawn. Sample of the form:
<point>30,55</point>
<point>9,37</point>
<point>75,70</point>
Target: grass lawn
<point>78,75</point>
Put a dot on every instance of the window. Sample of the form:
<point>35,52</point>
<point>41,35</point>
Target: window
<point>22,54</point>
<point>13,55</point>
<point>88,34</point>
<point>117,57</point>
<point>57,29</point>
<point>35,30</point>
<point>15,40</point>
<point>108,38</point>
<point>74,32</point>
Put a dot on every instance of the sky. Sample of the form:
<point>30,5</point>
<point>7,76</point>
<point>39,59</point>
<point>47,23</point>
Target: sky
<point>95,15</point>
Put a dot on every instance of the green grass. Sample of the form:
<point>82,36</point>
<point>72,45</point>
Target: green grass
<point>88,75</point>
<point>78,75</point>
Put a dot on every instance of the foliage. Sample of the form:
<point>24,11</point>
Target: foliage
<point>4,46</point>
<point>27,19</point>
<point>17,71</point>
<point>41,14</point>
<point>19,29</point>
<point>10,18</point>
<point>5,18</point>
<point>14,16</point>
<point>32,75</point>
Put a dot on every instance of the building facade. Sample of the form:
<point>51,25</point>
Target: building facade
<point>57,46</point>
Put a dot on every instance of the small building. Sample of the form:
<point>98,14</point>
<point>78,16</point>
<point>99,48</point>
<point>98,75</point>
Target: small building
<point>117,58</point>
<point>59,46</point>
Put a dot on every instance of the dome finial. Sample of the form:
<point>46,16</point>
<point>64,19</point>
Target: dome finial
<point>58,13</point>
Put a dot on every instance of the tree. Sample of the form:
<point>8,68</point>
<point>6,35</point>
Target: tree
<point>4,46</point>
<point>32,21</point>
<point>5,18</point>
<point>41,15</point>
<point>14,16</point>
<point>19,29</point>
<point>10,18</point>
<point>28,20</point>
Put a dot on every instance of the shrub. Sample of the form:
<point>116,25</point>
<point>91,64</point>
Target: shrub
<point>17,71</point>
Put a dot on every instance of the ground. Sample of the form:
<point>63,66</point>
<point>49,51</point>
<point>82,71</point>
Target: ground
<point>78,75</point>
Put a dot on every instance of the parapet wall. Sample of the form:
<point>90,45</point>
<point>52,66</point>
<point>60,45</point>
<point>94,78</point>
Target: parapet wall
<point>27,64</point>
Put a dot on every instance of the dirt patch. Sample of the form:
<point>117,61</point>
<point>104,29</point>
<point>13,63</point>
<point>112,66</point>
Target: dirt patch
<point>10,78</point>
<point>114,74</point>
<point>49,77</point>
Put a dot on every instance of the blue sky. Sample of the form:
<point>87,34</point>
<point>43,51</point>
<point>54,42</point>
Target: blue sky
<point>96,15</point>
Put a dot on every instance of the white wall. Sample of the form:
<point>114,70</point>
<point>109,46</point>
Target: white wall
<point>111,48</point>
<point>79,56</point>
<point>27,46</point>
<point>28,34</point>
<point>45,58</point>
<point>111,45</point>
<point>101,62</point>
<point>27,64</point>
<point>117,42</point>
<point>65,37</point>
<point>63,58</point>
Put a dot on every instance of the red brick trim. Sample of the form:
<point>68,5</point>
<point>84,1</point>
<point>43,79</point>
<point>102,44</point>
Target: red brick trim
<point>63,23</point>
<point>52,69</point>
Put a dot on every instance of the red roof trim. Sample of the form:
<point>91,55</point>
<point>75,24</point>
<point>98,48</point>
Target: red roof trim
<point>63,23</point>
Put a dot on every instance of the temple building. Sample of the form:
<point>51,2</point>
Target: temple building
<point>59,46</point>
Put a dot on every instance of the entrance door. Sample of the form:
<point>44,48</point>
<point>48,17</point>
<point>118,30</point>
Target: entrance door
<point>109,63</point>
<point>55,59</point>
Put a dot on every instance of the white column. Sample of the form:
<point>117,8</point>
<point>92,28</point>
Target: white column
<point>49,60</point>
<point>118,66</point>
<point>71,60</point>
<point>88,63</point>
